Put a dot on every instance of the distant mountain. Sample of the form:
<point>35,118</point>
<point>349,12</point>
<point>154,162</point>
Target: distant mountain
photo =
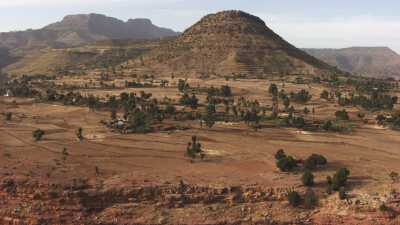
<point>367,61</point>
<point>5,58</point>
<point>230,42</point>
<point>76,30</point>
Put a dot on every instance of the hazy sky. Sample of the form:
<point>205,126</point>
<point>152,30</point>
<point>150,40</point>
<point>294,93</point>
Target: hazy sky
<point>305,23</point>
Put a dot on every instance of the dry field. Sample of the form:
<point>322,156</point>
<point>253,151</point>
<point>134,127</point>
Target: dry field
<point>235,154</point>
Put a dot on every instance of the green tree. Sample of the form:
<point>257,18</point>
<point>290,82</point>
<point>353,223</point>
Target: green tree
<point>194,149</point>
<point>340,178</point>
<point>310,199</point>
<point>380,119</point>
<point>307,178</point>
<point>280,154</point>
<point>79,133</point>
<point>286,164</point>
<point>170,109</point>
<point>182,85</point>
<point>38,134</point>
<point>314,160</point>
<point>327,125</point>
<point>138,121</point>
<point>306,110</point>
<point>299,122</point>
<point>92,102</point>
<point>294,198</point>
<point>273,89</point>
<point>8,116</point>
<point>226,91</point>
<point>342,115</point>
<point>209,119</point>
<point>286,103</point>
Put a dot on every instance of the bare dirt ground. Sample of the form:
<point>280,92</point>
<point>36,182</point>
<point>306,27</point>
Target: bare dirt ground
<point>236,156</point>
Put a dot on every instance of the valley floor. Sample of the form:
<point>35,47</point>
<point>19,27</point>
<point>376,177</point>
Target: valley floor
<point>236,156</point>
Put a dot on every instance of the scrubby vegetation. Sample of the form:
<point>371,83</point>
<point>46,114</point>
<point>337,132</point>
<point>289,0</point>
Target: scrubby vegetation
<point>294,198</point>
<point>38,134</point>
<point>302,96</point>
<point>285,163</point>
<point>194,150</point>
<point>314,161</point>
<point>307,178</point>
<point>338,180</point>
<point>8,116</point>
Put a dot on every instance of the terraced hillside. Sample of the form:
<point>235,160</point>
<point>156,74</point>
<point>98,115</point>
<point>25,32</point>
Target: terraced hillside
<point>231,42</point>
<point>103,54</point>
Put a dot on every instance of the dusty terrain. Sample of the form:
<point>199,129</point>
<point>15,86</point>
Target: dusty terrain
<point>133,164</point>
<point>112,178</point>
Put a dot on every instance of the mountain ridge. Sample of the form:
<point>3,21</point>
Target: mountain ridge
<point>74,30</point>
<point>378,62</point>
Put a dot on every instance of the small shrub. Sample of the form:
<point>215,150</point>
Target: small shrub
<point>383,208</point>
<point>394,176</point>
<point>299,122</point>
<point>280,154</point>
<point>310,199</point>
<point>327,125</point>
<point>113,114</point>
<point>380,119</point>
<point>273,89</point>
<point>64,154</point>
<point>340,178</point>
<point>342,115</point>
<point>294,198</point>
<point>79,133</point>
<point>286,164</point>
<point>8,116</point>
<point>319,159</point>
<point>342,193</point>
<point>170,109</point>
<point>307,179</point>
<point>325,95</point>
<point>306,110</point>
<point>310,164</point>
<point>38,134</point>
<point>315,160</point>
<point>194,149</point>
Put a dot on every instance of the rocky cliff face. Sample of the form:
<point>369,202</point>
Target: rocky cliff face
<point>367,61</point>
<point>232,42</point>
<point>82,29</point>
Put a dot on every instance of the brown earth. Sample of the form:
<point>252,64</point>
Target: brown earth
<point>111,178</point>
<point>228,43</point>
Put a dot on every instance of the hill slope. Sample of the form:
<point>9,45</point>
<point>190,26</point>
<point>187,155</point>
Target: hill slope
<point>231,42</point>
<point>101,54</point>
<point>83,29</point>
<point>368,61</point>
